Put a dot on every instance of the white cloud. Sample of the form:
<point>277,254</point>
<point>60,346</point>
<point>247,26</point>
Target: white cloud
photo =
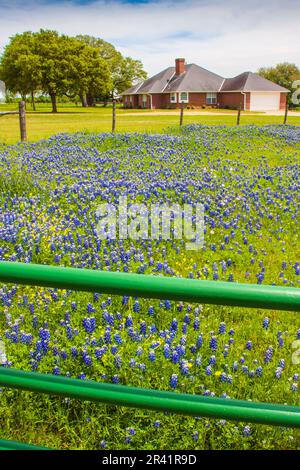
<point>225,36</point>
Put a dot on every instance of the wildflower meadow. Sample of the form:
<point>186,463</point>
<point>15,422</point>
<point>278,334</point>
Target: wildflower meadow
<point>248,180</point>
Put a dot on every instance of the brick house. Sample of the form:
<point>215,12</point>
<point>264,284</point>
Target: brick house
<point>196,86</point>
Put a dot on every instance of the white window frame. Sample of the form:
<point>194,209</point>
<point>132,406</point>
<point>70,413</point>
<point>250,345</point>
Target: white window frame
<point>183,100</point>
<point>211,98</point>
<point>144,101</point>
<point>173,97</point>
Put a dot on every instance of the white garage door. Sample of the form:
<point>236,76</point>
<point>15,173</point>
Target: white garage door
<point>260,101</point>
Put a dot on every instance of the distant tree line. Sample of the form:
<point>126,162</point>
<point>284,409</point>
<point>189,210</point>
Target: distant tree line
<point>81,67</point>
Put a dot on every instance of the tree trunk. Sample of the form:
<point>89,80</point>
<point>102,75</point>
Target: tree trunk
<point>83,100</point>
<point>90,100</point>
<point>53,101</point>
<point>33,101</point>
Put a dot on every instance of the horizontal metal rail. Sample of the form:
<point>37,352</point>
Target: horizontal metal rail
<point>13,445</point>
<point>194,405</point>
<point>210,292</point>
<point>149,286</point>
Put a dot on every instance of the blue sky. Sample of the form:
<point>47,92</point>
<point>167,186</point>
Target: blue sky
<point>225,36</point>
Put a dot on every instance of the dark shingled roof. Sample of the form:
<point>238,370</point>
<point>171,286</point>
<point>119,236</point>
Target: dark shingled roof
<point>198,79</point>
<point>133,89</point>
<point>195,78</point>
<point>154,84</point>
<point>249,81</point>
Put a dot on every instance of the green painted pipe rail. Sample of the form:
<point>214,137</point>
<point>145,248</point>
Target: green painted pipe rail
<point>194,405</point>
<point>13,445</point>
<point>191,290</point>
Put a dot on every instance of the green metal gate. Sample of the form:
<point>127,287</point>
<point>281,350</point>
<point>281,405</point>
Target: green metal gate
<point>210,292</point>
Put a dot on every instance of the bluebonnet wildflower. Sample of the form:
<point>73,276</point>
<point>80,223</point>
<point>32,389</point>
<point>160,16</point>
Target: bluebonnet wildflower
<point>184,367</point>
<point>143,328</point>
<point>269,354</point>
<point>212,360</point>
<point>118,361</point>
<point>199,341</point>
<point>128,321</point>
<point>173,381</point>
<point>151,311</point>
<point>167,351</point>
<point>151,356</point>
<point>213,344</point>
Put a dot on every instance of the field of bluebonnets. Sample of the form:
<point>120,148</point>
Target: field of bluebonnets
<point>248,180</point>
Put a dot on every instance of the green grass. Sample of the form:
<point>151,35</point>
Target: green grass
<point>43,124</point>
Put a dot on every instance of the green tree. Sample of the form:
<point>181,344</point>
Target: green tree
<point>89,73</point>
<point>58,65</point>
<point>20,66</point>
<point>283,74</point>
<point>57,53</point>
<point>127,72</point>
<point>124,70</point>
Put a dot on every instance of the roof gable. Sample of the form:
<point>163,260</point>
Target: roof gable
<point>195,78</point>
<point>249,81</point>
<point>155,84</point>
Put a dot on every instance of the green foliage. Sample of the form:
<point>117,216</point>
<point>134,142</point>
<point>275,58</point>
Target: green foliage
<point>20,67</point>
<point>57,65</point>
<point>124,70</point>
<point>89,73</point>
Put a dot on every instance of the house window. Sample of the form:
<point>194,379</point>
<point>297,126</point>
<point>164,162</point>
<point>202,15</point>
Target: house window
<point>184,97</point>
<point>211,98</point>
<point>130,99</point>
<point>144,100</point>
<point>173,97</point>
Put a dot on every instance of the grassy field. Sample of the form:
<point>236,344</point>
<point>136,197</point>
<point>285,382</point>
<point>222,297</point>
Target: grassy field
<point>248,180</point>
<point>42,123</point>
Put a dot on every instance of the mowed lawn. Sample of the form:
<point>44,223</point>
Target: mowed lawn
<point>43,124</point>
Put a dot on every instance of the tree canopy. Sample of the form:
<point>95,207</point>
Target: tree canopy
<point>124,71</point>
<point>58,65</point>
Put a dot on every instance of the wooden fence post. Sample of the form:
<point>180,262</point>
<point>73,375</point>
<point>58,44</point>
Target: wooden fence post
<point>114,115</point>
<point>22,118</point>
<point>181,114</point>
<point>238,116</point>
<point>286,112</point>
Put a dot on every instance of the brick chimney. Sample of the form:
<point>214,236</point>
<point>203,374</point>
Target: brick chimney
<point>179,66</point>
